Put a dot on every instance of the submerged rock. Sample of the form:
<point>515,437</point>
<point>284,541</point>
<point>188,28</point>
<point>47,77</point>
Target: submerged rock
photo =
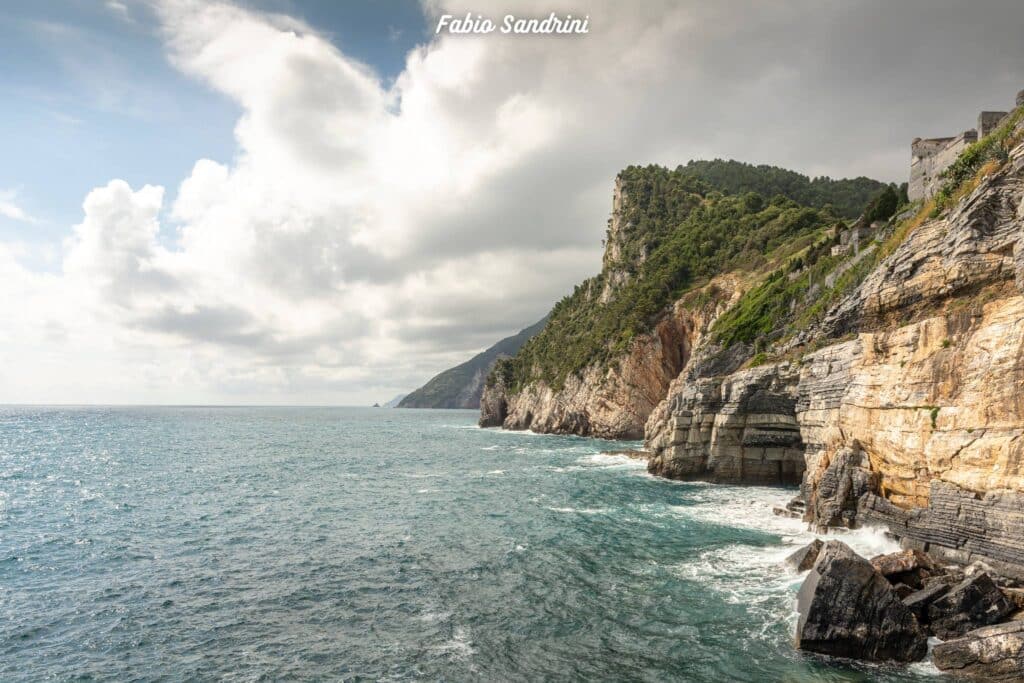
<point>804,559</point>
<point>848,609</point>
<point>976,601</point>
<point>992,653</point>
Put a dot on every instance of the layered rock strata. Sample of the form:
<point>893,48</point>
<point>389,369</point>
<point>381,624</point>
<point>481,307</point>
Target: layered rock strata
<point>914,418</point>
<point>993,653</point>
<point>738,428</point>
<point>615,400</point>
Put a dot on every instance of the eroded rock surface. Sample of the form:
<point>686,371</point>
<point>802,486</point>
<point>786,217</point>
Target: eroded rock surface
<point>993,653</point>
<point>848,609</point>
<point>804,558</point>
<point>739,428</point>
<point>974,602</point>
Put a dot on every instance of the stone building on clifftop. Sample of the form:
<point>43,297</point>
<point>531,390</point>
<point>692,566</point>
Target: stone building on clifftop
<point>929,157</point>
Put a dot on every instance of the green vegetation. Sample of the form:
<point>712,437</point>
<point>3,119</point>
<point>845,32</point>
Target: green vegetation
<point>991,151</point>
<point>883,205</point>
<point>460,387</point>
<point>689,232</point>
<point>677,229</point>
<point>765,312</point>
<point>781,305</point>
<point>847,197</point>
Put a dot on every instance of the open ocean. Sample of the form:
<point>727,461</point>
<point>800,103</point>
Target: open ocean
<point>251,544</point>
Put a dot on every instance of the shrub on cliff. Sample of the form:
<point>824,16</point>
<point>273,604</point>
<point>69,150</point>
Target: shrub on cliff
<point>882,206</point>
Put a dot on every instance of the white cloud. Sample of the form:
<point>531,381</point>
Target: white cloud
<point>365,236</point>
<point>10,209</point>
<point>119,9</point>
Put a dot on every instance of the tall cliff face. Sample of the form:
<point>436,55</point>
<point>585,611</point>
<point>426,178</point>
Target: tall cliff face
<point>737,428</point>
<point>902,403</point>
<point>614,266</point>
<point>677,251</point>
<point>613,401</point>
<point>880,364</point>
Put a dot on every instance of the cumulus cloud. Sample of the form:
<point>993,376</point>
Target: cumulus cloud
<point>366,235</point>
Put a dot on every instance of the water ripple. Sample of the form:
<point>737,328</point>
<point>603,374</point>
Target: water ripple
<point>355,544</point>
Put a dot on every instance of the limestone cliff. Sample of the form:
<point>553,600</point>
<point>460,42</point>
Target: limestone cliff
<point>738,428</point>
<point>677,251</point>
<point>903,404</point>
<point>879,363</point>
<point>613,401</point>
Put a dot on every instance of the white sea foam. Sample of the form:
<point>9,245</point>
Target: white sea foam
<point>431,617</point>
<point>580,511</point>
<point>752,508</point>
<point>459,646</point>
<point>612,461</point>
<point>755,575</point>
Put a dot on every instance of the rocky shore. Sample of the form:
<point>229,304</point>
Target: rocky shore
<point>884,377</point>
<point>885,609</point>
<point>899,404</point>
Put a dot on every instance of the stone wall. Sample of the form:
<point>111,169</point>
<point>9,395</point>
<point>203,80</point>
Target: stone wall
<point>988,121</point>
<point>930,157</point>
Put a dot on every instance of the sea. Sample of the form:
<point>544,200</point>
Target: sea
<point>363,544</point>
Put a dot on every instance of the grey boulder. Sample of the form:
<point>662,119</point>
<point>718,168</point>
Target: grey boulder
<point>848,609</point>
<point>992,653</point>
<point>974,602</point>
<point>804,559</point>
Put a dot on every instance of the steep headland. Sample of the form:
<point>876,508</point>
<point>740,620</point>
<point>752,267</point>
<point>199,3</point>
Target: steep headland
<point>877,361</point>
<point>678,252</point>
<point>462,386</point>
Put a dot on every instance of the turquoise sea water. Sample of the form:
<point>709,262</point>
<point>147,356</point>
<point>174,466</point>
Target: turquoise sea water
<point>361,544</point>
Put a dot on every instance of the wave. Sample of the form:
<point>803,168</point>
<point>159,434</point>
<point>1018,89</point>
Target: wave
<point>581,511</point>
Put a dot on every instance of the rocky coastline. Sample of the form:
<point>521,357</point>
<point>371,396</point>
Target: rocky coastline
<point>885,609</point>
<point>899,405</point>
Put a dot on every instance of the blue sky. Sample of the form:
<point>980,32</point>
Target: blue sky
<point>89,95</point>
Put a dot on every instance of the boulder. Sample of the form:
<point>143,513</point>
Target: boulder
<point>910,567</point>
<point>848,609</point>
<point>804,559</point>
<point>901,561</point>
<point>974,602</point>
<point>919,601</point>
<point>992,653</point>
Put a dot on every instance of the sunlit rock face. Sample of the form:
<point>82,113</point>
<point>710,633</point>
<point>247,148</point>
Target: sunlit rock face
<point>915,417</point>
<point>902,404</point>
<point>607,401</point>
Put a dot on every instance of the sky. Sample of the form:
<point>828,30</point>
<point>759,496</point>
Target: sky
<point>287,202</point>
